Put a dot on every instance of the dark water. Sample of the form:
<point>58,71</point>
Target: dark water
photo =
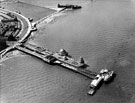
<point>102,32</point>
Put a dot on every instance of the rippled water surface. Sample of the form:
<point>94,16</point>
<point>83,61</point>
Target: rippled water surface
<point>102,32</point>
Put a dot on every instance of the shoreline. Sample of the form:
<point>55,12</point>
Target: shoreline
<point>46,19</point>
<point>101,37</point>
<point>25,10</point>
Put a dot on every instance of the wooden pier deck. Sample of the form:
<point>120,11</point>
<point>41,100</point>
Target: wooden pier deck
<point>54,59</point>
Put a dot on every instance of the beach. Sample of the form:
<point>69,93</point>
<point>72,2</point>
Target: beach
<point>102,32</point>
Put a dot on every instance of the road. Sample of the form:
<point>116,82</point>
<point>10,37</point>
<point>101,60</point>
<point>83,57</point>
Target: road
<point>27,27</point>
<point>23,34</point>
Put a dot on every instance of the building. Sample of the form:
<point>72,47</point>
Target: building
<point>2,29</point>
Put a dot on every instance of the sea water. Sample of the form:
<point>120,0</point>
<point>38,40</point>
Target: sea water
<point>102,32</point>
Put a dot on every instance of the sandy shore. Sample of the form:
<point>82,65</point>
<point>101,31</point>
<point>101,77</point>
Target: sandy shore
<point>26,9</point>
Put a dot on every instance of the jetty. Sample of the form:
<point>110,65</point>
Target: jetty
<point>62,58</point>
<point>57,58</point>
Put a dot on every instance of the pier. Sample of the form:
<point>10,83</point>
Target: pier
<point>61,58</point>
<point>55,58</point>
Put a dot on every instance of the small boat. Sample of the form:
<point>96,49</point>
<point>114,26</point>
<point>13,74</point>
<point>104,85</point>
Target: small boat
<point>69,6</point>
<point>104,75</point>
<point>76,7</point>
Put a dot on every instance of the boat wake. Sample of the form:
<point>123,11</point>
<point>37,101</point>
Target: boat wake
<point>50,19</point>
<point>54,8</point>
